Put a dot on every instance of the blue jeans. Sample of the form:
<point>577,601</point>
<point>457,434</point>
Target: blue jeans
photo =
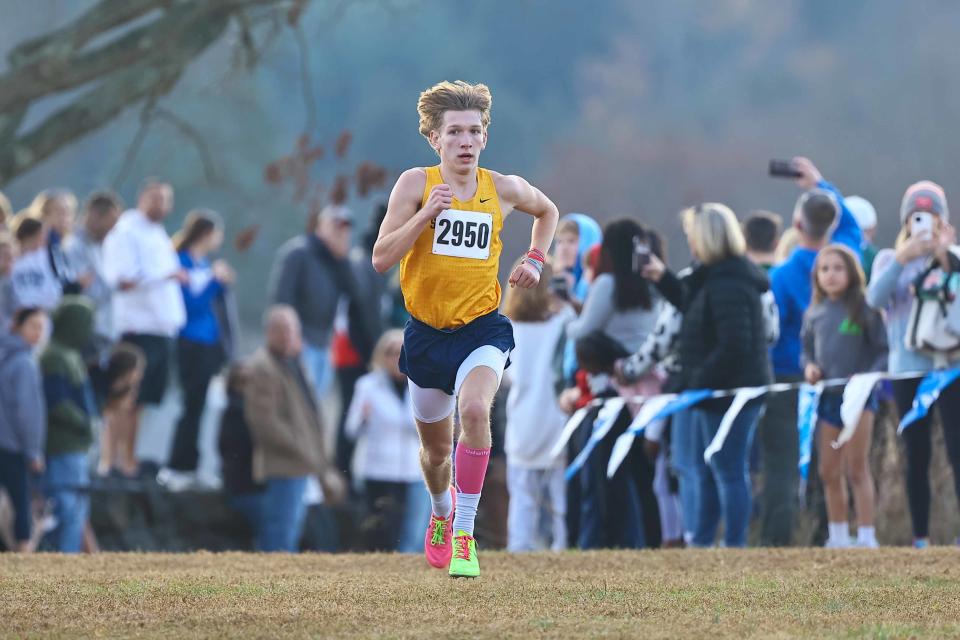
<point>317,362</point>
<point>686,451</point>
<point>248,505</point>
<point>15,478</point>
<point>725,487</point>
<point>65,483</point>
<point>282,514</point>
<point>415,518</point>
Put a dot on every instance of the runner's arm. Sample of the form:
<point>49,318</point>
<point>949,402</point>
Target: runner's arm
<point>525,197</point>
<point>405,220</point>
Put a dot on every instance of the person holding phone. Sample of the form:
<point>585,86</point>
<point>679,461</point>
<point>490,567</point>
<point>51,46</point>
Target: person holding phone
<point>820,217</point>
<point>925,236</point>
<point>621,303</point>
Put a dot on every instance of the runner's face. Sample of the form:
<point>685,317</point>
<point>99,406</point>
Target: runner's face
<point>460,140</point>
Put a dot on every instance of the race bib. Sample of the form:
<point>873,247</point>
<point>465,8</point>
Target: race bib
<point>463,234</point>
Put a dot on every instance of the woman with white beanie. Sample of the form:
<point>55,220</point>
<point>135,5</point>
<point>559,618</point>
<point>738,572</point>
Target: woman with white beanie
<point>922,246</point>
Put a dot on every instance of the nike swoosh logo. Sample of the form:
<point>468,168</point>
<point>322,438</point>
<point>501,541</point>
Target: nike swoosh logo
<point>488,199</point>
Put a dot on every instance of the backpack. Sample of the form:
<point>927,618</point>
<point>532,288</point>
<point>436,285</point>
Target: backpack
<point>934,323</point>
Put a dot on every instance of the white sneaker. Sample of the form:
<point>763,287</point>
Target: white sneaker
<point>867,544</point>
<point>176,481</point>
<point>836,544</point>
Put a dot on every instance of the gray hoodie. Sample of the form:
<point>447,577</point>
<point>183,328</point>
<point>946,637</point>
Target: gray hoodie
<point>22,411</point>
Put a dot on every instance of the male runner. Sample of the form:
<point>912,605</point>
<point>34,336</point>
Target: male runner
<point>443,226</point>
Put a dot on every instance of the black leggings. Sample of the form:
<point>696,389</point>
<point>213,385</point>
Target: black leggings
<point>919,448</point>
<point>198,363</point>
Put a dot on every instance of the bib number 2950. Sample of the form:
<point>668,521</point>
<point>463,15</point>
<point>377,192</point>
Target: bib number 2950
<point>463,234</point>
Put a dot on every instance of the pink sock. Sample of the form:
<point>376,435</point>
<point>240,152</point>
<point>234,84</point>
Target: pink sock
<point>471,467</point>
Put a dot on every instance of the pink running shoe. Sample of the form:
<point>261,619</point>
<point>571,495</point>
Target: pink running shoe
<point>438,544</point>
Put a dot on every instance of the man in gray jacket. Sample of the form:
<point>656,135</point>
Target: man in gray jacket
<point>312,274</point>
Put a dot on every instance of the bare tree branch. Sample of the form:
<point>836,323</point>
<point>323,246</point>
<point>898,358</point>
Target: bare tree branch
<point>10,123</point>
<point>153,43</point>
<point>306,79</point>
<point>155,40</point>
<point>146,116</point>
<point>195,136</point>
<point>99,105</point>
<point>100,18</point>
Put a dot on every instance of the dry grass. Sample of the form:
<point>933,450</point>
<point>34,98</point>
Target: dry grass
<point>891,593</point>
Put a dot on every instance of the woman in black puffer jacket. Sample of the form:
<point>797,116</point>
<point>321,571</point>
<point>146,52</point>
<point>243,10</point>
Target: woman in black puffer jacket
<point>722,346</point>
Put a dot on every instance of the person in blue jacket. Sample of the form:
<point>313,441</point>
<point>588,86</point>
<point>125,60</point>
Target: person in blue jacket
<point>201,352</point>
<point>576,234</point>
<point>820,218</point>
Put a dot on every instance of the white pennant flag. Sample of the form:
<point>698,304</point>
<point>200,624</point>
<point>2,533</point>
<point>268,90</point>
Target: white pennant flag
<point>742,398</point>
<point>855,397</point>
<point>606,418</point>
<point>621,447</point>
<point>568,431</point>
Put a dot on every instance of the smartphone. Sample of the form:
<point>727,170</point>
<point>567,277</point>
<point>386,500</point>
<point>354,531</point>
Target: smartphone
<point>783,169</point>
<point>559,288</point>
<point>641,254</point>
<point>921,225</point>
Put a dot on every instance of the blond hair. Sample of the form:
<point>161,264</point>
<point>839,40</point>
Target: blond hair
<point>379,358</point>
<point>452,96</point>
<point>713,232</point>
<point>568,225</point>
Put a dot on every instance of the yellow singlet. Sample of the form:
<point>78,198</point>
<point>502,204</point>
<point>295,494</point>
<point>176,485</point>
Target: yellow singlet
<point>449,276</point>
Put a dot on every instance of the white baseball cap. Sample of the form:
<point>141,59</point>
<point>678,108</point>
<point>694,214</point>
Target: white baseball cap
<point>862,210</point>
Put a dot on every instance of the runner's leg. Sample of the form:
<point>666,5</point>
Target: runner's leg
<point>473,449</point>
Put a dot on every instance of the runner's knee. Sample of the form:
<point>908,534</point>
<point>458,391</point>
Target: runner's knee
<point>474,413</point>
<point>437,454</point>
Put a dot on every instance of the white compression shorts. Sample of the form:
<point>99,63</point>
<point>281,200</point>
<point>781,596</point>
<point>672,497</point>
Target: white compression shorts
<point>433,405</point>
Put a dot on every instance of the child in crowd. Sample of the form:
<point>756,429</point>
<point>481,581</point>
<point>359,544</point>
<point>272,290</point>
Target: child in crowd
<point>121,382</point>
<point>842,336</point>
<point>534,418</point>
<point>69,421</point>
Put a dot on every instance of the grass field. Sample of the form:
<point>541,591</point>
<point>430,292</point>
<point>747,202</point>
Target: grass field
<point>892,593</point>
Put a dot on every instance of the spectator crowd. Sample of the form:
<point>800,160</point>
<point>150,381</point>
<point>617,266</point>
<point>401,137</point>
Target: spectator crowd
<point>101,308</point>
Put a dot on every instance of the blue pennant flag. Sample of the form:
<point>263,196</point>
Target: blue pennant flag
<point>927,393</point>
<point>808,402</point>
<point>683,401</point>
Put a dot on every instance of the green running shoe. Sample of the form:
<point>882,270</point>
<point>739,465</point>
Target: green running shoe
<point>464,563</point>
